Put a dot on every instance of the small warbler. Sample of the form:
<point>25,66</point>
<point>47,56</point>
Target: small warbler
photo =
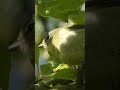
<point>67,43</point>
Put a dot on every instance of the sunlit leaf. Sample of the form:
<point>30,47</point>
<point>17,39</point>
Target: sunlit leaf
<point>46,69</point>
<point>68,74</point>
<point>61,66</point>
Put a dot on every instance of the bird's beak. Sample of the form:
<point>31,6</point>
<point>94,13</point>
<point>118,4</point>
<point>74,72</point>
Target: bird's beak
<point>14,45</point>
<point>41,45</point>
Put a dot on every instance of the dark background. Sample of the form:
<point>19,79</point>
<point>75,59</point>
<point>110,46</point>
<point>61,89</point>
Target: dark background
<point>102,52</point>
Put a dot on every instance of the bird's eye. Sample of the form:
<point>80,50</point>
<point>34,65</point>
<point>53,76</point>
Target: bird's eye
<point>47,38</point>
<point>31,26</point>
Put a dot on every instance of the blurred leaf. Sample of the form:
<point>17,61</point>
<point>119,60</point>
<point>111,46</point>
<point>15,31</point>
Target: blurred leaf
<point>68,74</point>
<point>36,1</point>
<point>61,66</point>
<point>58,8</point>
<point>39,87</point>
<point>77,17</point>
<point>46,69</point>
<point>36,54</point>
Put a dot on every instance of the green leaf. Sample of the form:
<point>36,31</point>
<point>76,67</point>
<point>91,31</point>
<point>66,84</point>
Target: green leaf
<point>77,17</point>
<point>46,69</point>
<point>68,74</point>
<point>36,1</point>
<point>43,11</point>
<point>61,66</point>
<point>58,8</point>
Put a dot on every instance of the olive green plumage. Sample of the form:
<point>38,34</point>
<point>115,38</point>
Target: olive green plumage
<point>67,44</point>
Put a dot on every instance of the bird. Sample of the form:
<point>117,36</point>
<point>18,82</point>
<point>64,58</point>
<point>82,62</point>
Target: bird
<point>22,58</point>
<point>66,43</point>
<point>14,15</point>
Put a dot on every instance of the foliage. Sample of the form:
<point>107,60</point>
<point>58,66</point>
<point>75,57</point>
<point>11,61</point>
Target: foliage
<point>62,9</point>
<point>54,74</point>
